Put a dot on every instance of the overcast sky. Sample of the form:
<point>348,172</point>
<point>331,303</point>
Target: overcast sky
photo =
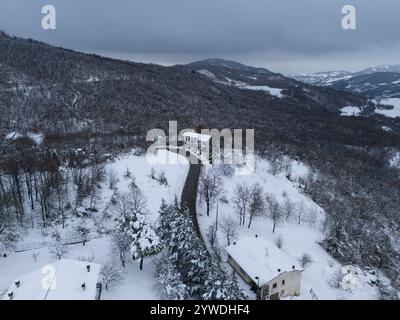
<point>288,36</point>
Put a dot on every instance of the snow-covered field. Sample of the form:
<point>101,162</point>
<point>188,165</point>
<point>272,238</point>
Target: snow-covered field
<point>272,91</point>
<point>297,238</point>
<point>392,113</point>
<point>350,111</point>
<point>136,284</point>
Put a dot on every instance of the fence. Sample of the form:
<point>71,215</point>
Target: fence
<point>43,244</point>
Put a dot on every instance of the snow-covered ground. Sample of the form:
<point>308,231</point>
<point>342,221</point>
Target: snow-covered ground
<point>350,111</point>
<point>136,284</point>
<point>297,238</point>
<point>272,91</point>
<point>392,113</point>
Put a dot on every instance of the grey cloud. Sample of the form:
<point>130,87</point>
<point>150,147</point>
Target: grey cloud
<point>237,28</point>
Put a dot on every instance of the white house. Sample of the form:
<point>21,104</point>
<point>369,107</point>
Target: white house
<point>61,280</point>
<point>198,144</point>
<point>264,266</point>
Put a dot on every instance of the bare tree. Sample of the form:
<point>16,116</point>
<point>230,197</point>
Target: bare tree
<point>275,210</point>
<point>300,212</point>
<point>288,208</point>
<point>122,245</point>
<point>111,275</point>
<point>113,180</point>
<point>312,219</point>
<point>279,242</point>
<point>229,227</point>
<point>210,187</point>
<point>305,260</point>
<point>138,201</point>
<point>256,203</point>
<point>241,201</point>
<point>336,279</point>
<point>59,251</point>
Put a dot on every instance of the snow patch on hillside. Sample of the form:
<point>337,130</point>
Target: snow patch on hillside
<point>350,111</point>
<point>391,113</point>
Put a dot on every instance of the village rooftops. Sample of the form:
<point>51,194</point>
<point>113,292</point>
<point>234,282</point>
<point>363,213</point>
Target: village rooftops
<point>61,280</point>
<point>197,136</point>
<point>261,259</point>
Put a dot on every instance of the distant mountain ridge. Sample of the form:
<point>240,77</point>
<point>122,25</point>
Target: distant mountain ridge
<point>375,82</point>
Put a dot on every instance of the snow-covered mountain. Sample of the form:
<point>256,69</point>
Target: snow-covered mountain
<point>322,78</point>
<point>375,82</point>
<point>381,68</point>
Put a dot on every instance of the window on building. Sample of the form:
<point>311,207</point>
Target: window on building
<point>283,282</point>
<point>282,292</point>
<point>275,285</point>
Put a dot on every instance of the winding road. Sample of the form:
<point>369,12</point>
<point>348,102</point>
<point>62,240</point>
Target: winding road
<point>189,194</point>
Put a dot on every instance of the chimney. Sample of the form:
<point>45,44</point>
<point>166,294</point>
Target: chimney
<point>88,268</point>
<point>11,295</point>
<point>83,286</point>
<point>17,283</point>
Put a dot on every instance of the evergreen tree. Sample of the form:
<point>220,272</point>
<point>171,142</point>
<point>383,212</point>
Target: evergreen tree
<point>171,280</point>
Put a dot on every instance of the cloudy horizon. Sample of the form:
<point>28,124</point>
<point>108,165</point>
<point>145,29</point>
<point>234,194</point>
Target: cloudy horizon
<point>284,36</point>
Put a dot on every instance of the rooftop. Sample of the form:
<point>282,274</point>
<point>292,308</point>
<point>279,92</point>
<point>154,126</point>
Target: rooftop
<point>61,280</point>
<point>260,258</point>
<point>198,136</point>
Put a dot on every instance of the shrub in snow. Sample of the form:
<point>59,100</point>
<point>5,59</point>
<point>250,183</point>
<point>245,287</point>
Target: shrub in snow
<point>227,170</point>
<point>162,179</point>
<point>127,174</point>
<point>336,279</point>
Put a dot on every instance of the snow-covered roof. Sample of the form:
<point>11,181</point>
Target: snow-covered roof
<point>198,136</point>
<point>61,280</point>
<point>260,258</point>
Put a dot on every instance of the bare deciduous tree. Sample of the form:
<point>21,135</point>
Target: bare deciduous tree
<point>275,210</point>
<point>256,203</point>
<point>305,260</point>
<point>210,187</point>
<point>288,208</point>
<point>111,275</point>
<point>241,201</point>
<point>229,227</point>
<point>59,251</point>
<point>279,242</point>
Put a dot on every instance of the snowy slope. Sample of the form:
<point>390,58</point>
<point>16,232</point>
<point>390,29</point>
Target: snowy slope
<point>136,284</point>
<point>297,238</point>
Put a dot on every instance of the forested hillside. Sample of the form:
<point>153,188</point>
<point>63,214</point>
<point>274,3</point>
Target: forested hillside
<point>86,106</point>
